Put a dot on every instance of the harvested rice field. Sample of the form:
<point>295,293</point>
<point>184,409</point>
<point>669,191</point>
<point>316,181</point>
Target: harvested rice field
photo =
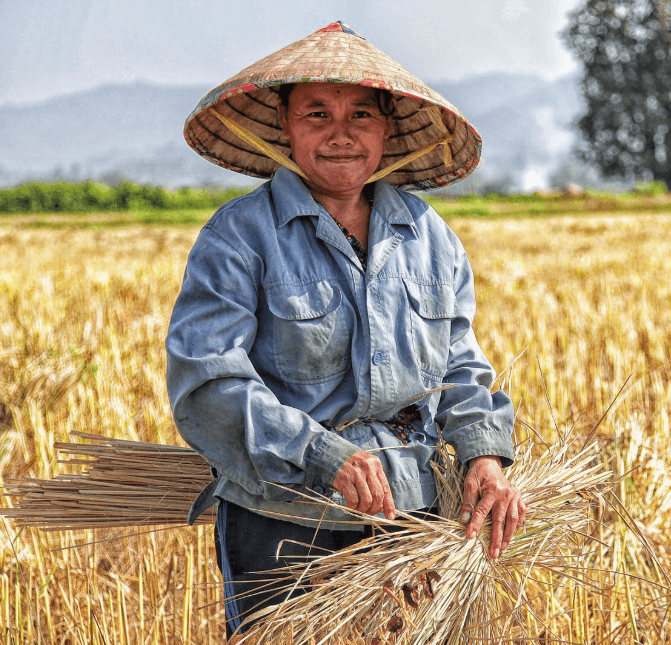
<point>574,311</point>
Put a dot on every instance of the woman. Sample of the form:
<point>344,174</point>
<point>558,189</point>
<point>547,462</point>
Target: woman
<point>320,313</point>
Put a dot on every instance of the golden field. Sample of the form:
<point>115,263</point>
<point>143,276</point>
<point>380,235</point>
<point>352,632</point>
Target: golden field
<point>571,308</point>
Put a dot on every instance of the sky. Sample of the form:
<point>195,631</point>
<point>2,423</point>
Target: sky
<point>54,47</point>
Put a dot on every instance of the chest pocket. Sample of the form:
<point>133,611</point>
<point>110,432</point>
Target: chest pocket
<point>432,309</point>
<point>311,331</point>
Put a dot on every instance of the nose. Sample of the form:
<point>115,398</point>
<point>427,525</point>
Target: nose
<point>341,133</point>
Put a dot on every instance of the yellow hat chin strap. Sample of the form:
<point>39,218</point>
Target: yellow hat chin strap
<point>257,142</point>
<point>435,114</point>
<point>265,148</point>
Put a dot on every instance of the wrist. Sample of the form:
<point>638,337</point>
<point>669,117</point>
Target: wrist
<point>485,458</point>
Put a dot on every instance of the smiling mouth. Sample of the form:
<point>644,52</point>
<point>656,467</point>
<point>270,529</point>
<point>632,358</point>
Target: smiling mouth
<point>340,159</point>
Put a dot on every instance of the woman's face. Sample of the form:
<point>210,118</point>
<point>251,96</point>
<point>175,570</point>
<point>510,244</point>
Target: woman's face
<point>337,134</point>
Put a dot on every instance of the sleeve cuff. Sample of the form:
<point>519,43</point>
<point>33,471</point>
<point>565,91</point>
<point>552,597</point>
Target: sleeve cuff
<point>484,442</point>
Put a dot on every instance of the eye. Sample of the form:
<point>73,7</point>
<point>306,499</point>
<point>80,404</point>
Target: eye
<point>317,115</point>
<point>362,114</point>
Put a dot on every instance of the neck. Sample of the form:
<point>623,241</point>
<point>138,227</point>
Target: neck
<point>351,210</point>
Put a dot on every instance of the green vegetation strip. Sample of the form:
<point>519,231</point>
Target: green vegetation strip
<point>511,206</point>
<point>92,205</point>
<point>92,197</point>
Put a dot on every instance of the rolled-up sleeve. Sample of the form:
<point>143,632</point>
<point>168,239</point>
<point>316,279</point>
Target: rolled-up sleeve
<point>221,406</point>
<point>474,420</point>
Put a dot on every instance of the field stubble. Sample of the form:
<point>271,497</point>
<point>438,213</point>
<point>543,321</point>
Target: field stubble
<point>569,309</point>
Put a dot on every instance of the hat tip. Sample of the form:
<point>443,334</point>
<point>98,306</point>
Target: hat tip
<point>339,25</point>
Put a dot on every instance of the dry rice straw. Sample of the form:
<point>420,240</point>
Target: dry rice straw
<point>123,483</point>
<point>421,582</point>
<point>415,582</point>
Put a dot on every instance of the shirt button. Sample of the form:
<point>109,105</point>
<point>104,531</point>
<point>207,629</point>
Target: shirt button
<point>378,357</point>
<point>319,490</point>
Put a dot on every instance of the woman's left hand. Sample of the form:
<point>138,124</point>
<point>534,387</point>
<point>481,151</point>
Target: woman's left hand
<point>487,489</point>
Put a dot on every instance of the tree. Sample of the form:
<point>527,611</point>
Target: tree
<point>625,47</point>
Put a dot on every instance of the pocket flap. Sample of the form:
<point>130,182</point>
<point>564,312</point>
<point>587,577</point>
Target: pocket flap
<point>432,301</point>
<point>303,301</point>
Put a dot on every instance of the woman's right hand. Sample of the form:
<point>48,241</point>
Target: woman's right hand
<point>362,481</point>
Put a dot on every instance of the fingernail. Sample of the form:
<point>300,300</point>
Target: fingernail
<point>497,552</point>
<point>470,536</point>
<point>465,517</point>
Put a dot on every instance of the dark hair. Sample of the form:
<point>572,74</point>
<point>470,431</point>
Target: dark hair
<point>385,100</point>
<point>283,91</point>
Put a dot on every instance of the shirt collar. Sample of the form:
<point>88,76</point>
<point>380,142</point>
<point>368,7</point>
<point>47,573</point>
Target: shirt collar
<point>293,199</point>
<point>389,204</point>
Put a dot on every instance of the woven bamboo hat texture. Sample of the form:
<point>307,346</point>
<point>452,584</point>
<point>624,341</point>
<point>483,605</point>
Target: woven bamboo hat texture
<point>236,125</point>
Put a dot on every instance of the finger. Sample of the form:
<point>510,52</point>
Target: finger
<point>377,495</point>
<point>351,496</point>
<point>365,495</point>
<point>498,524</point>
<point>388,505</point>
<point>383,499</point>
<point>479,514</point>
<point>471,495</point>
<point>512,522</point>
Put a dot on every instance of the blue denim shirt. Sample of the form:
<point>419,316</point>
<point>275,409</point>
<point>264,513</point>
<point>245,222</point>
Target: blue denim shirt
<point>278,337</point>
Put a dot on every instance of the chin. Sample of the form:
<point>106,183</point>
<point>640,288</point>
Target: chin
<point>345,178</point>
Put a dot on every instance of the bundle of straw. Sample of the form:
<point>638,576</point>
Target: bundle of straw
<point>416,581</point>
<point>419,581</point>
<point>121,483</point>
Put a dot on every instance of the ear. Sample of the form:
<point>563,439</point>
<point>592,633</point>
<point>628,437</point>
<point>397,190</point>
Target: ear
<point>282,113</point>
<point>390,120</point>
<point>387,126</point>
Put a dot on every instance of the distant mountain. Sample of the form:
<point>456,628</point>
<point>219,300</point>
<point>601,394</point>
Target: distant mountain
<point>526,123</point>
<point>135,131</point>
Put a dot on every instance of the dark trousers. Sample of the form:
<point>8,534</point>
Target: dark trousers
<point>247,545</point>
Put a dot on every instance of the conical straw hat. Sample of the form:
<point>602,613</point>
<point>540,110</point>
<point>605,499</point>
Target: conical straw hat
<point>432,145</point>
